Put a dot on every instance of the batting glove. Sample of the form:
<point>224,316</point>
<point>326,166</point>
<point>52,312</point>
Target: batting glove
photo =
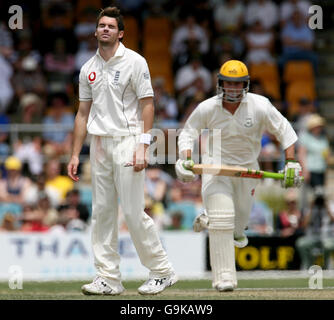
<point>183,170</point>
<point>292,174</point>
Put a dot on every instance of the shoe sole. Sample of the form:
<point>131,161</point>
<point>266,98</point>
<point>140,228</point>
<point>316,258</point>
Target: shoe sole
<point>226,289</point>
<point>89,293</point>
<point>172,282</point>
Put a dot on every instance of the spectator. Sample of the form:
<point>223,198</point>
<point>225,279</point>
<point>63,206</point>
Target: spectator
<point>187,39</point>
<point>228,16</point>
<point>60,66</point>
<point>287,8</point>
<point>6,41</point>
<point>58,142</point>
<point>85,52</point>
<point>73,201</point>
<point>69,217</point>
<point>14,187</point>
<point>304,112</point>
<point>86,27</point>
<point>176,221</point>
<point>191,78</point>
<point>297,41</point>
<point>6,92</point>
<point>4,135</point>
<point>313,151</point>
<point>32,219</point>
<point>260,220</point>
<point>289,220</point>
<point>260,44</point>
<point>166,110</point>
<point>56,181</point>
<point>29,78</point>
<point>319,227</point>
<point>8,223</point>
<point>28,147</point>
<point>186,207</point>
<point>270,153</point>
<point>50,214</point>
<point>264,10</point>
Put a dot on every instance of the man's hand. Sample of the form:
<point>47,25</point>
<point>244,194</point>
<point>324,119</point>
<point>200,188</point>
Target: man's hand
<point>292,174</point>
<point>183,170</point>
<point>139,158</point>
<point>72,168</point>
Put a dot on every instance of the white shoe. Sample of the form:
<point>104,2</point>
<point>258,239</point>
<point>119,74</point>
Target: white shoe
<point>101,286</point>
<point>241,242</point>
<point>201,222</point>
<point>225,286</point>
<point>157,285</point>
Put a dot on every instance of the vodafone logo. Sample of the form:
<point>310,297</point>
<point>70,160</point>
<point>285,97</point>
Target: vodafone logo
<point>92,76</point>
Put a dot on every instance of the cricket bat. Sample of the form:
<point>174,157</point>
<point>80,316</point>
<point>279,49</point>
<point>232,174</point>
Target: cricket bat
<point>234,171</point>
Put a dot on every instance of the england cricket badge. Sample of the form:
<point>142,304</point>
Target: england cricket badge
<point>116,78</point>
<point>248,123</point>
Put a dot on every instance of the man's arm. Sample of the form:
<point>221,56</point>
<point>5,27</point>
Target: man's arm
<point>139,157</point>
<point>79,136</point>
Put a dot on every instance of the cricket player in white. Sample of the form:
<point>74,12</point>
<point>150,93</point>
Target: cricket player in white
<point>237,119</point>
<point>116,108</point>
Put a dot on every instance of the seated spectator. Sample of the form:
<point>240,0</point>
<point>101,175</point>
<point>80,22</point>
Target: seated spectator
<point>6,92</point>
<point>297,41</point>
<point>50,214</point>
<point>260,44</point>
<point>4,135</point>
<point>228,16</point>
<point>29,78</point>
<point>59,65</point>
<point>85,52</point>
<point>73,201</point>
<point>189,37</point>
<point>289,220</point>
<point>32,219</point>
<point>260,220</point>
<point>191,78</point>
<point>58,142</point>
<point>14,187</point>
<point>28,147</point>
<point>319,231</point>
<point>157,183</point>
<point>287,7</point>
<point>56,181</point>
<point>69,218</point>
<point>264,10</point>
<point>305,111</point>
<point>176,222</point>
<point>166,110</point>
<point>8,223</point>
<point>180,204</point>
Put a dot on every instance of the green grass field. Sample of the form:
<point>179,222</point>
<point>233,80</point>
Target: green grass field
<point>257,289</point>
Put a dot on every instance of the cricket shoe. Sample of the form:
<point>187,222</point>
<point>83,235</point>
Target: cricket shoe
<point>157,285</point>
<point>101,286</point>
<point>241,242</point>
<point>225,286</point>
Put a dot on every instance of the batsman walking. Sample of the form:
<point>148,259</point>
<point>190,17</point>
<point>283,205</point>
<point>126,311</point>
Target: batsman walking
<point>236,120</point>
<point>116,108</point>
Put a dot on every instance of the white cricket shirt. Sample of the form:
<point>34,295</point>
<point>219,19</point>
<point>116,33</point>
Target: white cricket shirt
<point>115,87</point>
<point>236,139</point>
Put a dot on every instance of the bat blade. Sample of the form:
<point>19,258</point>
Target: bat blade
<point>224,170</point>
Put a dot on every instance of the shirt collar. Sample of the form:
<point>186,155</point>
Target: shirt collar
<point>119,52</point>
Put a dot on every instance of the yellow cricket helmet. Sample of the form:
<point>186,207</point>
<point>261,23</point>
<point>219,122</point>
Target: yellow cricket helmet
<point>233,71</point>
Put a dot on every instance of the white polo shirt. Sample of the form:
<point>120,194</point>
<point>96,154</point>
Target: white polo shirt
<point>115,87</point>
<point>238,136</point>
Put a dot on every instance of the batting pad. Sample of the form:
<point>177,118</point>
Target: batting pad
<point>220,210</point>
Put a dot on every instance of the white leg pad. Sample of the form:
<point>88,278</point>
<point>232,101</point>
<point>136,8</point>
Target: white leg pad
<point>220,209</point>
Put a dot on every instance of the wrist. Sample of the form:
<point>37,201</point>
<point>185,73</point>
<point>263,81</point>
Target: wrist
<point>145,138</point>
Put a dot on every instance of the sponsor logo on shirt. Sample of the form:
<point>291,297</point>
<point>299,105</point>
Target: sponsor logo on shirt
<point>92,77</point>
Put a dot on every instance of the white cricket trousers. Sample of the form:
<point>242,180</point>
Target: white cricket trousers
<point>114,184</point>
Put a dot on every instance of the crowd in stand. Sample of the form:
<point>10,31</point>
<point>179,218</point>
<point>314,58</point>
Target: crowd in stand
<point>39,79</point>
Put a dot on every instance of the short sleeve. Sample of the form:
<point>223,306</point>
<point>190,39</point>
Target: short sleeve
<point>85,91</point>
<point>142,80</point>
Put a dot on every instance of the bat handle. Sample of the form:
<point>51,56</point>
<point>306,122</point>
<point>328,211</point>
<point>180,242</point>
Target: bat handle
<point>276,176</point>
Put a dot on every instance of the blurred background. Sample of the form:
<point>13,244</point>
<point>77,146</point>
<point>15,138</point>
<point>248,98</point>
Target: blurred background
<point>185,43</point>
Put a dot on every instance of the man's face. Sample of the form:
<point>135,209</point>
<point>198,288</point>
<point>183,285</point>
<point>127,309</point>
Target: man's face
<point>107,31</point>
<point>233,90</point>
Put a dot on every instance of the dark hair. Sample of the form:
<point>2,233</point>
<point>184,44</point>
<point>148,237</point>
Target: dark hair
<point>112,12</point>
